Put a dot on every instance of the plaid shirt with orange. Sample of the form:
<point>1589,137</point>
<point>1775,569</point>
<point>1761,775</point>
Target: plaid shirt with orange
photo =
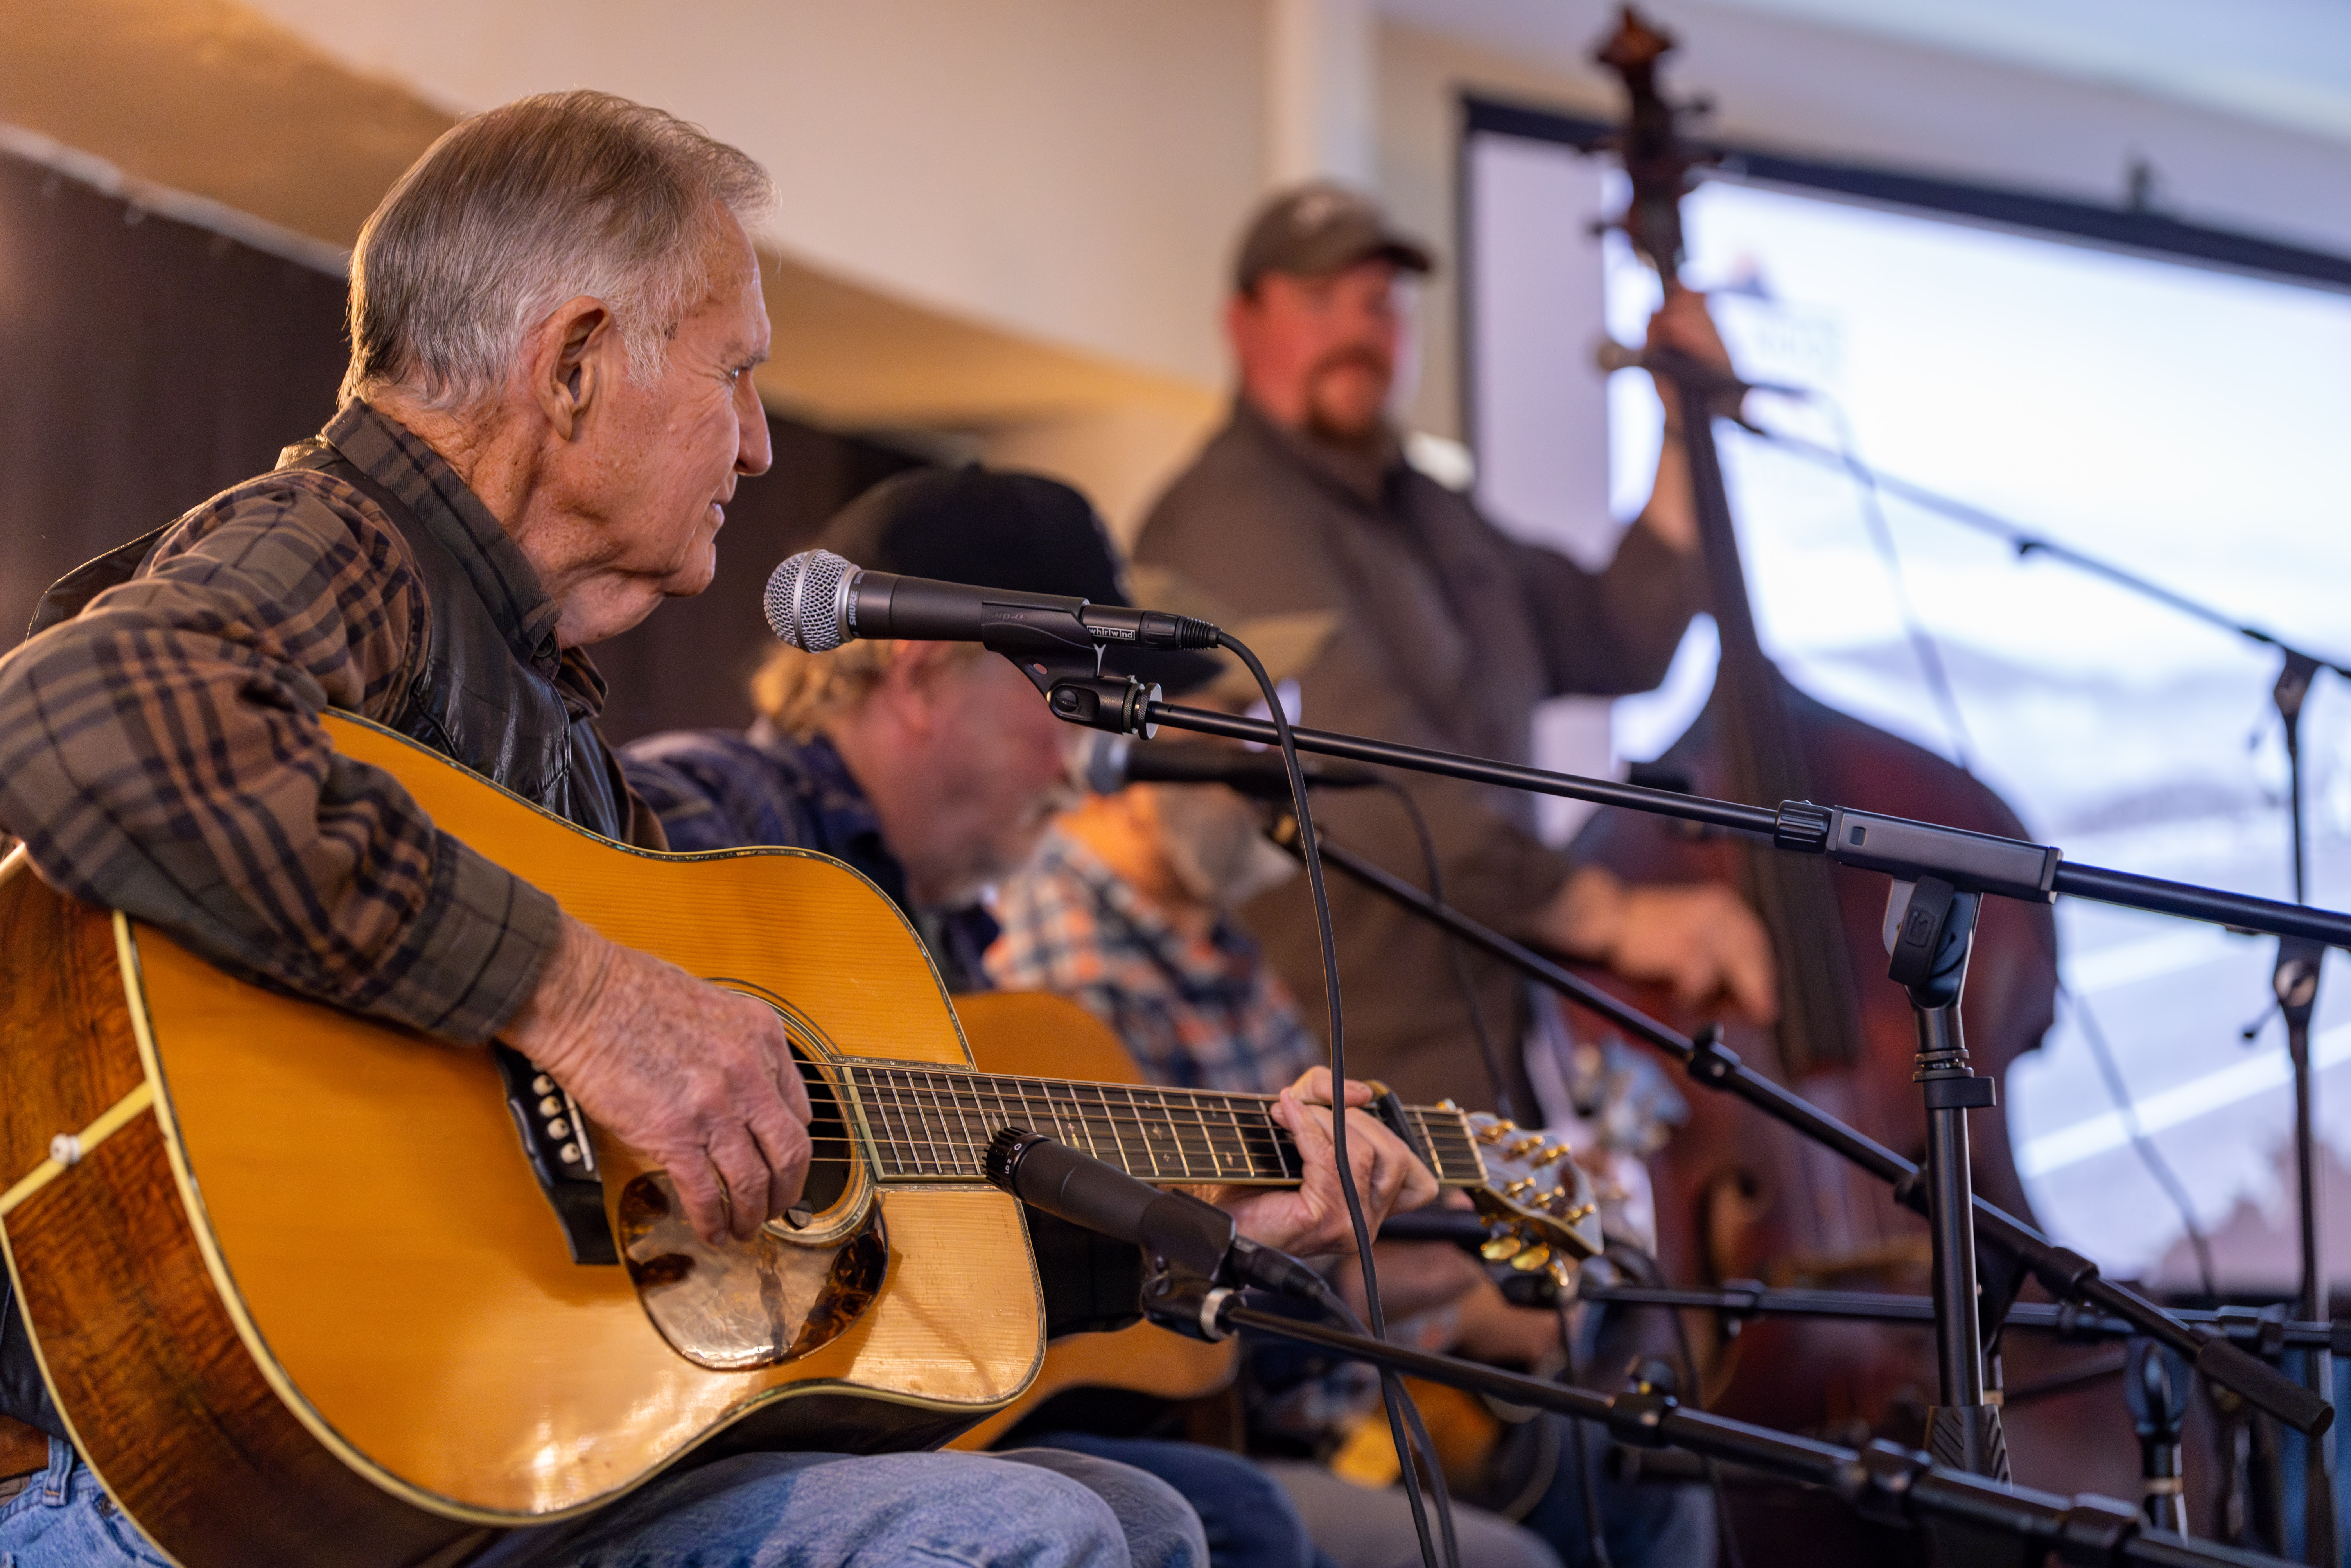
<point>1199,1011</point>
<point>161,752</point>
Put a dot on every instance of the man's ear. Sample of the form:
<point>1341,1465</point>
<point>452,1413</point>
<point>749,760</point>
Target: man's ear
<point>1240,321</point>
<point>575,354</point>
<point>913,683</point>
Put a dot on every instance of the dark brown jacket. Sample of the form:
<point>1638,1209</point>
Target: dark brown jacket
<point>1450,631</point>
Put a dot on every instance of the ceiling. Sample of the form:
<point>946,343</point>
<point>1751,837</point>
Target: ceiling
<point>2285,63</point>
<point>207,98</point>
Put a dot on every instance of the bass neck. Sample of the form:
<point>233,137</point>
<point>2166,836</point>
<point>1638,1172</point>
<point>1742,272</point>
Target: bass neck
<point>930,1124</point>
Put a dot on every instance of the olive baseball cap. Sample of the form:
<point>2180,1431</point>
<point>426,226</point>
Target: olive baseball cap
<point>1318,228</point>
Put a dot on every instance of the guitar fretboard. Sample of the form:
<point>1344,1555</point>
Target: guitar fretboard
<point>933,1124</point>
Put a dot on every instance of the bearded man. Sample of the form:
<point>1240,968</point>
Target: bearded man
<point>1450,633</point>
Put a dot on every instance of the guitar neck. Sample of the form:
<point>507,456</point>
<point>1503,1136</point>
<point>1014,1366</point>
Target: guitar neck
<point>932,1123</point>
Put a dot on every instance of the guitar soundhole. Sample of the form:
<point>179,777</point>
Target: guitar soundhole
<point>829,1168</point>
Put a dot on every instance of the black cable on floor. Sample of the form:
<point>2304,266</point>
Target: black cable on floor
<point>1395,1401</point>
<point>1713,1472</point>
<point>1594,1536</point>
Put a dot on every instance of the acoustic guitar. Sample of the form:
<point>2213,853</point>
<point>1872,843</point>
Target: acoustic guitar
<point>1041,1035</point>
<point>312,1287</point>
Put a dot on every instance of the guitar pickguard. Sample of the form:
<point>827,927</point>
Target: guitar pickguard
<point>745,1304</point>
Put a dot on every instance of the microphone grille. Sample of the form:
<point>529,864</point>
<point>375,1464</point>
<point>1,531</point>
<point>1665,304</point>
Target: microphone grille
<point>803,600</point>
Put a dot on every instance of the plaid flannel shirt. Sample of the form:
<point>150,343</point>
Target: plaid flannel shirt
<point>726,789</point>
<point>1198,1011</point>
<point>161,752</point>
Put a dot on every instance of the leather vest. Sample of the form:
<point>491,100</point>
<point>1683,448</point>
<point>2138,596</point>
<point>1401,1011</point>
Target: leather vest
<point>475,698</point>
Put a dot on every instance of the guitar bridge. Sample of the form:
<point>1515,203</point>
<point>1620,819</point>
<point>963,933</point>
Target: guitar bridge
<point>561,1155</point>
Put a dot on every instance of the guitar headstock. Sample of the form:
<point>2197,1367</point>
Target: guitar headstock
<point>1537,1201</point>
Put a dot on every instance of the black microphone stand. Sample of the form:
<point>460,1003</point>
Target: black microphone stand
<point>2154,1376</point>
<point>1965,1513</point>
<point>1930,930</point>
<point>1064,664</point>
<point>2065,1274</point>
<point>2293,978</point>
<point>1865,841</point>
<point>1739,1299</point>
<point>1934,936</point>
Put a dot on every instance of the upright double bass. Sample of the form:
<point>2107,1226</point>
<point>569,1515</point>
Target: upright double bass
<point>1740,1197</point>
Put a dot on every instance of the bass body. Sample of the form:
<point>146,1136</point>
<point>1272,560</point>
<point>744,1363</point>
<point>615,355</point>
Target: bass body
<point>301,1297</point>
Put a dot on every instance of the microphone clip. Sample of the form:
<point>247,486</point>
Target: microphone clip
<point>1066,669</point>
<point>1118,704</point>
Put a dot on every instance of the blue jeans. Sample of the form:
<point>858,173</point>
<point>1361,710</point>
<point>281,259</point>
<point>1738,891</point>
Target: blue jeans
<point>1029,1509</point>
<point>65,1519</point>
<point>1643,1524</point>
<point>1245,1514</point>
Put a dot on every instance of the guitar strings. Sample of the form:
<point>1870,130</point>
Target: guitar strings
<point>936,1121</point>
<point>1146,1104</point>
<point>972,1118</point>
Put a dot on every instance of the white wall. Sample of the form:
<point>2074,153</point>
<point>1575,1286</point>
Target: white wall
<point>1069,169</point>
<point>1804,87</point>
<point>1075,170</point>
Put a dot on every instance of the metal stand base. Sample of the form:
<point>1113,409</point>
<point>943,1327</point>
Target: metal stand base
<point>1969,1437</point>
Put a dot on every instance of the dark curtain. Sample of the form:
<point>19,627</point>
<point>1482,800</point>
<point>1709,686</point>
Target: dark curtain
<point>146,363</point>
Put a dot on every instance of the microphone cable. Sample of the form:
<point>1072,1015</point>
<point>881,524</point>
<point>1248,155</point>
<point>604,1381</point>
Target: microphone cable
<point>1495,1080</point>
<point>1402,1428</point>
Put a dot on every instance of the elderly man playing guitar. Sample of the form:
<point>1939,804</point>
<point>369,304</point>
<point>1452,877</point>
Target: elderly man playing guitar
<point>554,317</point>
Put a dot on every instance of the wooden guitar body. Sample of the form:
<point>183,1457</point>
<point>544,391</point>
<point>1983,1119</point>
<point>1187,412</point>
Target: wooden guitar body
<point>298,1290</point>
<point>301,1297</point>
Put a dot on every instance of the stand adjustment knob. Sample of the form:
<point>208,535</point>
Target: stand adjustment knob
<point>1802,827</point>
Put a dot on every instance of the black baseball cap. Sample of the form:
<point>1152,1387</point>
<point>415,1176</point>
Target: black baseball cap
<point>998,528</point>
<point>1318,228</point>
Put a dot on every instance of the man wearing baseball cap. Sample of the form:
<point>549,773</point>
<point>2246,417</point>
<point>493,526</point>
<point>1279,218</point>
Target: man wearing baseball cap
<point>1449,634</point>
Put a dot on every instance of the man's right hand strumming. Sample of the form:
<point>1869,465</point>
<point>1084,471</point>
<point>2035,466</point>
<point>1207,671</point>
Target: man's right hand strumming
<point>698,1079</point>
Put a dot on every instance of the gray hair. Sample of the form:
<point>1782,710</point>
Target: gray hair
<point>518,209</point>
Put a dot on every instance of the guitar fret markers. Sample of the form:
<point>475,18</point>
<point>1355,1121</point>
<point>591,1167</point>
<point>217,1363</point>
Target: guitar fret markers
<point>934,1124</point>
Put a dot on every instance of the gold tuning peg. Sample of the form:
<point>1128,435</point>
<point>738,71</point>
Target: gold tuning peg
<point>1528,1259</point>
<point>1446,1104</point>
<point>1495,1132</point>
<point>1552,1156</point>
<point>1521,1148</point>
<point>1520,1187</point>
<point>1562,1273</point>
<point>1499,1249</point>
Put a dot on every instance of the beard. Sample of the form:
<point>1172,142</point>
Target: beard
<point>1333,417</point>
<point>1214,846</point>
<point>988,860</point>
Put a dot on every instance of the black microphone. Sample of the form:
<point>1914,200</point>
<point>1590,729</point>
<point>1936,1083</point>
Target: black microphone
<point>1611,355</point>
<point>1174,1230</point>
<point>1114,762</point>
<point>815,600</point>
<point>1459,1226</point>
